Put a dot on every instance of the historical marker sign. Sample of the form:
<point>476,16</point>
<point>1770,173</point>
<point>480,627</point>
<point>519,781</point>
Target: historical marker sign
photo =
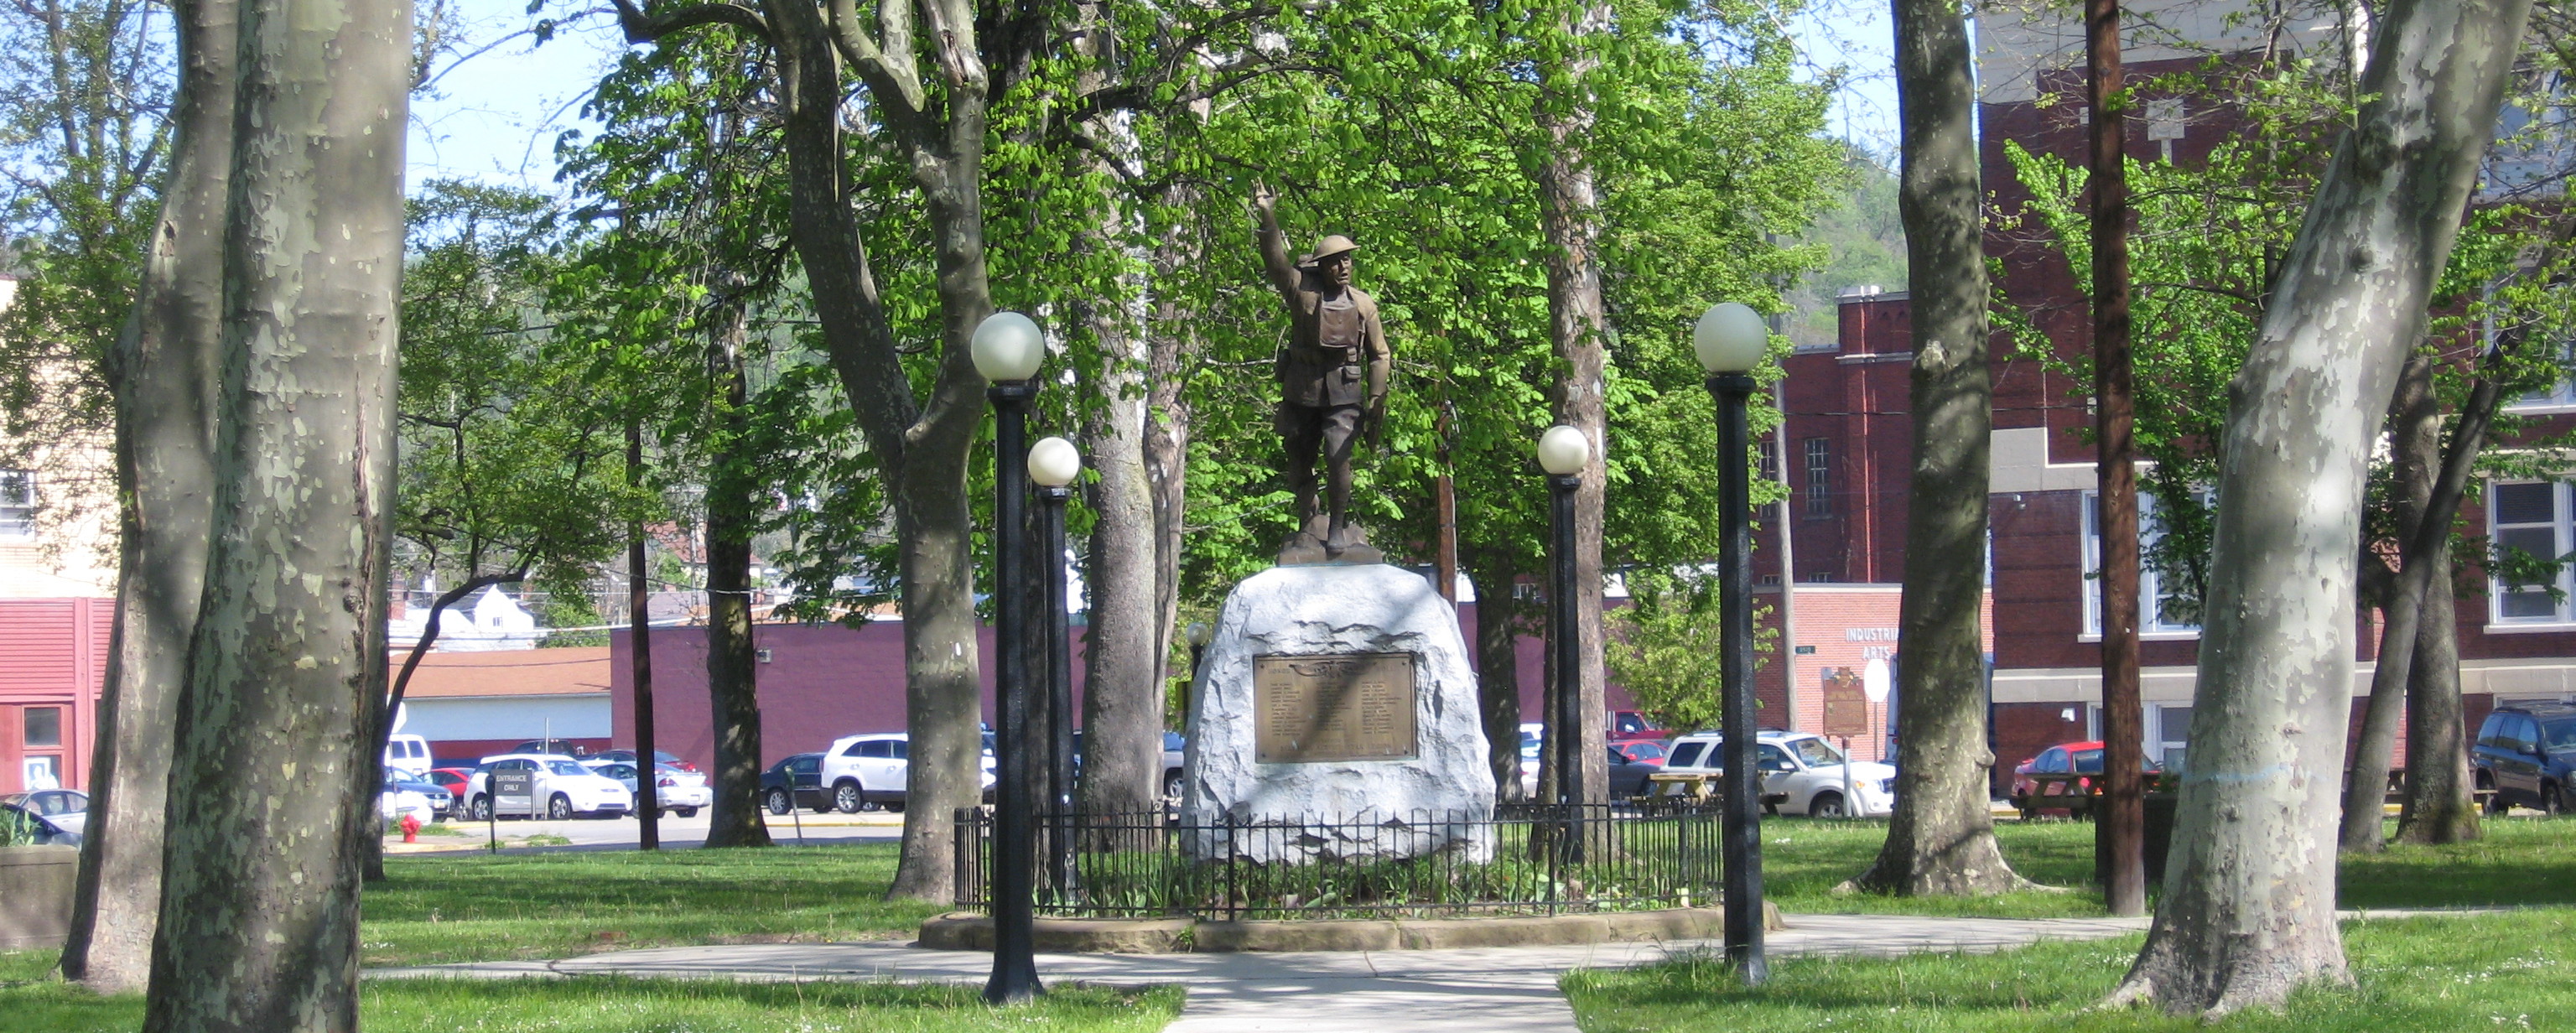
<point>1337,707</point>
<point>1846,703</point>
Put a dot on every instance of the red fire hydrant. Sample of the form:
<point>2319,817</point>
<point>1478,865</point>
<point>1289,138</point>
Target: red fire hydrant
<point>411,827</point>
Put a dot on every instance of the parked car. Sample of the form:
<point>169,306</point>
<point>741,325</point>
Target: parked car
<point>1533,734</point>
<point>795,781</point>
<point>455,780</point>
<point>1175,753</point>
<point>680,792</point>
<point>1642,751</point>
<point>1630,725</point>
<point>440,800</point>
<point>561,787</point>
<point>557,747</point>
<point>67,809</point>
<point>875,768</point>
<point>2526,753</point>
<point>407,753</point>
<point>1627,776</point>
<point>664,757</point>
<point>394,803</point>
<point>2030,795</point>
<point>1812,774</point>
<point>20,826</point>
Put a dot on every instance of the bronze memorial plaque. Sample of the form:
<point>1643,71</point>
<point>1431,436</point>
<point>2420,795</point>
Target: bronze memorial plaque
<point>1344,706</point>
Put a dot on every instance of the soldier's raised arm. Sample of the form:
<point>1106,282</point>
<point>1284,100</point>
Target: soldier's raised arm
<point>1274,246</point>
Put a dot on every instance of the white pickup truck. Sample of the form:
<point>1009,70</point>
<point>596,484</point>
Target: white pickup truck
<point>1805,767</point>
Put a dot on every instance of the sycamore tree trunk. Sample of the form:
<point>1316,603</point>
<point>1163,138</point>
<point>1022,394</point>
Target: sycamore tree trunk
<point>1942,839</point>
<point>2415,430</point>
<point>2248,908</point>
<point>1498,681</point>
<point>1172,346</point>
<point>1122,701</point>
<point>733,675</point>
<point>2440,806</point>
<point>1578,325</point>
<point>259,916</point>
<point>166,369</point>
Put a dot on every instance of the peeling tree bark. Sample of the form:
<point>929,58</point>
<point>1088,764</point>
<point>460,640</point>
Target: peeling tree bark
<point>1122,700</point>
<point>2439,807</point>
<point>1942,839</point>
<point>1578,325</point>
<point>259,916</point>
<point>1172,346</point>
<point>2248,909</point>
<point>166,368</point>
<point>2415,427</point>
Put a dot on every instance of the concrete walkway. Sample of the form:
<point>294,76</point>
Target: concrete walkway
<point>1490,990</point>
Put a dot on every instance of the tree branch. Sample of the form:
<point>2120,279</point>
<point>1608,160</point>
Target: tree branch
<point>643,28</point>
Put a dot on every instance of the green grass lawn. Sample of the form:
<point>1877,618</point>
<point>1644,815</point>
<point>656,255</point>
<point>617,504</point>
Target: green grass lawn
<point>606,1004</point>
<point>2508,971</point>
<point>436,908</point>
<point>2521,862</point>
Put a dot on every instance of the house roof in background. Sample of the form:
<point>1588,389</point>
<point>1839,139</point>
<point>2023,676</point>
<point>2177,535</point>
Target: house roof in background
<point>570,671</point>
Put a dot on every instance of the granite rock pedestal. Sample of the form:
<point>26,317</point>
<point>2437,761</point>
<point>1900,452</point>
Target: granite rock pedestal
<point>1299,750</point>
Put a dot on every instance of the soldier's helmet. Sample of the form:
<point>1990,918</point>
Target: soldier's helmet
<point>1335,244</point>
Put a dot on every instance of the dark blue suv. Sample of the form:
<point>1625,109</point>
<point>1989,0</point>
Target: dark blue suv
<point>2526,752</point>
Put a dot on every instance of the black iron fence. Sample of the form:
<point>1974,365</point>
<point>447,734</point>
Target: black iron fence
<point>1534,859</point>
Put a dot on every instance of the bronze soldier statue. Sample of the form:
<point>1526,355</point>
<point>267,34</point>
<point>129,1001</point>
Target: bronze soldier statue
<point>1332,380</point>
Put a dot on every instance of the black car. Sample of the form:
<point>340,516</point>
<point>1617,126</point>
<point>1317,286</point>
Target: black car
<point>796,781</point>
<point>662,757</point>
<point>1628,777</point>
<point>2526,752</point>
<point>558,747</point>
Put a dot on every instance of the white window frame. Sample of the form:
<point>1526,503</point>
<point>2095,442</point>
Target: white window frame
<point>18,528</point>
<point>2151,624</point>
<point>2563,524</point>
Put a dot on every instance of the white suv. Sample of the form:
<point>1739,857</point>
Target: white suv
<point>562,788</point>
<point>1801,764</point>
<point>873,768</point>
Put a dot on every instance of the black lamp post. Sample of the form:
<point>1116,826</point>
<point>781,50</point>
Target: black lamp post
<point>1007,348</point>
<point>1563,452</point>
<point>1053,464</point>
<point>1730,340</point>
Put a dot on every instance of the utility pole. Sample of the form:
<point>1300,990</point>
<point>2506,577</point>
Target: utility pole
<point>2121,834</point>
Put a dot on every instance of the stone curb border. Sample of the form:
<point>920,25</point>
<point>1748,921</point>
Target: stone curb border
<point>967,930</point>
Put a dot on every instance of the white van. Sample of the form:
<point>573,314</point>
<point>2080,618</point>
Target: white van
<point>408,754</point>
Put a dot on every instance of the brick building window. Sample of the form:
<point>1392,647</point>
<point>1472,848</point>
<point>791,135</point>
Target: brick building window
<point>1820,499</point>
<point>2529,524</point>
<point>1767,459</point>
<point>2161,609</point>
<point>17,504</point>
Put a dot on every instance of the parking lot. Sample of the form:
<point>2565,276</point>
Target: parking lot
<point>624,833</point>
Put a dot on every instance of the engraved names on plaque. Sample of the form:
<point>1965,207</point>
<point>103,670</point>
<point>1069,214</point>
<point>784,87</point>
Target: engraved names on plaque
<point>1337,707</point>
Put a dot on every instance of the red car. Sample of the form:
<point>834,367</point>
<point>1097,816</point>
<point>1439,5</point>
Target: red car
<point>453,780</point>
<point>2040,778</point>
<point>1631,726</point>
<point>1642,751</point>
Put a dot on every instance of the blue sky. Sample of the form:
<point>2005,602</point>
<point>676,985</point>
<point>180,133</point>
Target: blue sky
<point>495,116</point>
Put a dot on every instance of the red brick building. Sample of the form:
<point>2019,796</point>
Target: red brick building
<point>1844,452</point>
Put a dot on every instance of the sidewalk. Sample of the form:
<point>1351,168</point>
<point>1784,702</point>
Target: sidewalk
<point>1490,990</point>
